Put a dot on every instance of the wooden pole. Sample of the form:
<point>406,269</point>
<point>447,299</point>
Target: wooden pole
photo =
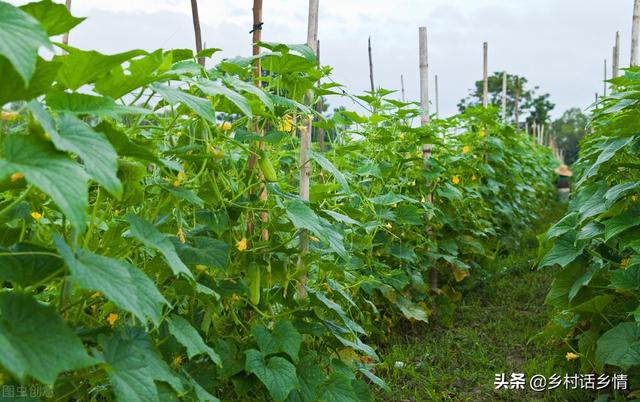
<point>424,120</point>
<point>424,79</point>
<point>371,66</point>
<point>319,110</point>
<point>485,75</point>
<point>305,135</point>
<point>517,108</point>
<point>437,98</point>
<point>604,83</point>
<point>615,68</point>
<point>635,32</point>
<point>196,29</point>
<point>65,37</point>
<point>402,87</point>
<point>257,68</point>
<point>504,97</point>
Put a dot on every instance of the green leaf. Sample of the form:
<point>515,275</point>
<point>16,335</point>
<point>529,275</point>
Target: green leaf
<point>562,284</point>
<point>141,72</point>
<point>201,106</point>
<point>189,337</point>
<point>407,214</point>
<point>284,338</point>
<point>328,166</point>
<point>14,89</point>
<point>608,151</point>
<point>338,388</point>
<point>615,192</point>
<point>322,298</point>
<point>35,342</point>
<point>563,251</point>
<point>240,85</point>
<point>51,171</point>
<point>310,376</point>
<point>622,222</point>
<point>122,283</point>
<point>54,17</point>
<point>207,251</point>
<point>83,104</point>
<point>124,146</point>
<point>213,89</point>
<point>20,38</point>
<point>304,217</point>
<point>386,199</point>
<point>30,268</point>
<point>594,305</point>
<point>278,375</point>
<point>129,369</point>
<point>620,346</point>
<point>150,236</point>
<point>81,67</point>
<point>564,225</point>
<point>626,279</point>
<point>75,136</point>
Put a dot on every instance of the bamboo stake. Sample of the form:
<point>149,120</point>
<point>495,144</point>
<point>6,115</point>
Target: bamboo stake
<point>402,87</point>
<point>196,29</point>
<point>485,76</point>
<point>65,37</point>
<point>616,57</point>
<point>437,99</point>
<point>319,109</point>
<point>504,97</point>
<point>371,66</point>
<point>605,79</point>
<point>305,135</point>
<point>424,120</point>
<point>424,80</point>
<point>635,32</point>
<point>517,108</point>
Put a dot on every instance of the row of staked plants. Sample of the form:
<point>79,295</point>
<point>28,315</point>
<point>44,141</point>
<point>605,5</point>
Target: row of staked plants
<point>597,244</point>
<point>142,259</point>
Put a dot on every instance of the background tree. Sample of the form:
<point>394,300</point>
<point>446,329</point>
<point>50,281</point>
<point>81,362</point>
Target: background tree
<point>568,130</point>
<point>533,107</point>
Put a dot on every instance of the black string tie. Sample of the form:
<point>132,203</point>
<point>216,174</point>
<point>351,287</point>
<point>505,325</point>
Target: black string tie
<point>256,27</point>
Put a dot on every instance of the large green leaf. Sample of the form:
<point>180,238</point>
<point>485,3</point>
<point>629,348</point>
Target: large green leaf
<point>206,251</point>
<point>328,166</point>
<point>338,388</point>
<point>140,72</point>
<point>14,89</point>
<point>55,18</point>
<point>304,217</point>
<point>81,67</point>
<point>150,236</point>
<point>51,171</point>
<point>20,38</point>
<point>189,337</point>
<point>34,340</point>
<point>130,371</point>
<point>214,89</point>
<point>310,376</point>
<point>626,279</point>
<point>608,151</point>
<point>122,283</point>
<point>620,346</point>
<point>240,85</point>
<point>622,222</point>
<point>125,146</point>
<point>564,251</point>
<point>278,375</point>
<point>75,136</point>
<point>564,225</point>
<point>201,106</point>
<point>29,264</point>
<point>284,338</point>
<point>83,104</point>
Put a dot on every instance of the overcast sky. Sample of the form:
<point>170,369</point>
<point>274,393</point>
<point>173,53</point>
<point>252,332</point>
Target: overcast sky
<point>559,45</point>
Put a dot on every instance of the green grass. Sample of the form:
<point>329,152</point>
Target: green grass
<point>489,334</point>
